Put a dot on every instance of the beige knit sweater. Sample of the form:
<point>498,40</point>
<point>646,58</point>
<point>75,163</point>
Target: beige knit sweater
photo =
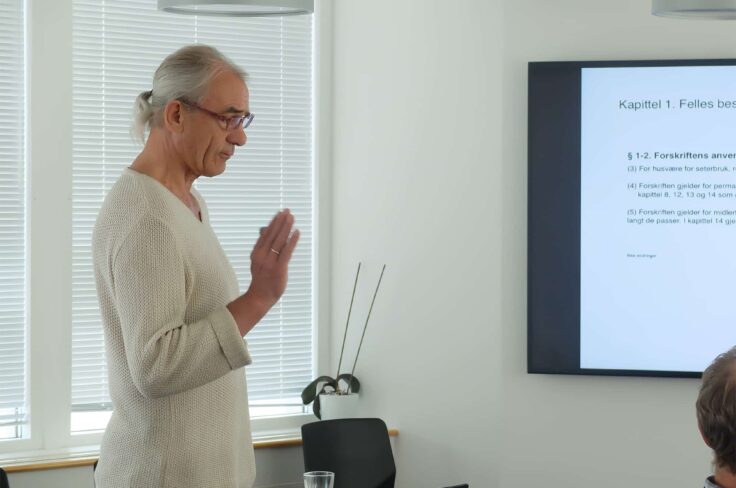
<point>175,356</point>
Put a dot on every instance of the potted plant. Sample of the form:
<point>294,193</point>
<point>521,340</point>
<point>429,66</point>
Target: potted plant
<point>343,387</point>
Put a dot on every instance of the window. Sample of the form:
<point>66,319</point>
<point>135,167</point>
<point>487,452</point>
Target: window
<point>117,45</point>
<point>13,342</point>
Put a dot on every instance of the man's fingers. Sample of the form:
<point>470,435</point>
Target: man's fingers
<point>259,241</point>
<point>268,233</point>
<point>288,249</point>
<point>283,233</point>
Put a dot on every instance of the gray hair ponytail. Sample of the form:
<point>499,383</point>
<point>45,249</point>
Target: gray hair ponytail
<point>143,114</point>
<point>185,74</point>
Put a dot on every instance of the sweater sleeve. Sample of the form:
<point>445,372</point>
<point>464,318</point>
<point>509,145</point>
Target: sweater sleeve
<point>165,355</point>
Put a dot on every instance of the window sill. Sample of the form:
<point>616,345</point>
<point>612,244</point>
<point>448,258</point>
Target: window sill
<point>72,458</point>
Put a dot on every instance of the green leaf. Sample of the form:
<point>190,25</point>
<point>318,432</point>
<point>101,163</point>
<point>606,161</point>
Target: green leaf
<point>316,408</point>
<point>354,383</point>
<point>310,392</point>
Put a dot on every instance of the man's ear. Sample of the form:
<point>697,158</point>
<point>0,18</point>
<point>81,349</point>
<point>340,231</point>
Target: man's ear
<point>173,116</point>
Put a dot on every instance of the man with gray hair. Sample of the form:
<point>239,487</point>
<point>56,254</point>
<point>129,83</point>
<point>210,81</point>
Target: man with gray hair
<point>173,317</point>
<point>716,411</point>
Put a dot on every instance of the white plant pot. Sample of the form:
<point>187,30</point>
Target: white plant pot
<point>338,406</point>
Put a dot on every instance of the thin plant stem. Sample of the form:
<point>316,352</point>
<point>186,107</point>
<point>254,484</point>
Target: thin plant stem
<point>350,309</point>
<point>365,327</point>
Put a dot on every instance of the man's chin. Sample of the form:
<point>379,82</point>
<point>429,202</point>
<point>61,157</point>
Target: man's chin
<point>216,168</point>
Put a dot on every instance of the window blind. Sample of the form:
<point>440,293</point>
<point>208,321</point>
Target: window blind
<point>13,406</point>
<point>117,45</point>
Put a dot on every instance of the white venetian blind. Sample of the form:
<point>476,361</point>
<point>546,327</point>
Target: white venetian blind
<point>13,406</point>
<point>118,44</point>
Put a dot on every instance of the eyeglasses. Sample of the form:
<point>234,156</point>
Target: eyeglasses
<point>231,123</point>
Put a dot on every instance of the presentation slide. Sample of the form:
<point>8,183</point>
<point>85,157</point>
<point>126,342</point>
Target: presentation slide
<point>658,217</point>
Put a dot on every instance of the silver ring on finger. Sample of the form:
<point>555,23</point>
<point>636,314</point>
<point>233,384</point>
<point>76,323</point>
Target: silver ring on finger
<point>275,251</point>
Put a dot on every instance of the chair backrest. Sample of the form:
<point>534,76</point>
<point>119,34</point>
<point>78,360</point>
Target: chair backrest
<point>358,451</point>
<point>4,483</point>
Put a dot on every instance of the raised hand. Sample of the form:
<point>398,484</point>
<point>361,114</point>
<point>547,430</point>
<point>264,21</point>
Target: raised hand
<point>269,260</point>
<point>269,268</point>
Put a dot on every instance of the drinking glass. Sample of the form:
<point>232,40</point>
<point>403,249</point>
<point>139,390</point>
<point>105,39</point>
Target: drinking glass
<point>319,479</point>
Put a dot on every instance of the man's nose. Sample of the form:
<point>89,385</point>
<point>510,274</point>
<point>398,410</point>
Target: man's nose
<point>237,137</point>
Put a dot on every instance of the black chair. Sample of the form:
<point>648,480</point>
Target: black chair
<point>358,451</point>
<point>4,483</point>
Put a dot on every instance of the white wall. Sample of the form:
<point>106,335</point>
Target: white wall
<point>430,177</point>
<point>279,467</point>
<point>418,186</point>
<point>80,477</point>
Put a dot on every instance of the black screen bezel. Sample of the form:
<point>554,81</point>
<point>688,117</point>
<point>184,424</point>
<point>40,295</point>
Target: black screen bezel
<point>553,239</point>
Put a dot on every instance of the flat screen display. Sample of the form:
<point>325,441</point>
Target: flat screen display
<point>632,216</point>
